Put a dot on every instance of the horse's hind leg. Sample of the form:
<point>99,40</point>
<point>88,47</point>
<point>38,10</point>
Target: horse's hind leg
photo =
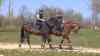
<point>62,41</point>
<point>21,41</point>
<point>28,40</point>
<point>66,37</point>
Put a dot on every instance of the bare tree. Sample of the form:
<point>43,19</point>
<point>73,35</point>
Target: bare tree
<point>25,14</point>
<point>50,11</point>
<point>1,1</point>
<point>73,15</point>
<point>1,17</point>
<point>95,12</point>
<point>10,9</point>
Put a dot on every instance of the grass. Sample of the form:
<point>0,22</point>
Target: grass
<point>85,38</point>
<point>88,38</point>
<point>43,53</point>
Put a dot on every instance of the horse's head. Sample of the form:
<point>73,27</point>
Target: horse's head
<point>76,27</point>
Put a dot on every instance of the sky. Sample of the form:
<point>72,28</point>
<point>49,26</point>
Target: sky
<point>82,6</point>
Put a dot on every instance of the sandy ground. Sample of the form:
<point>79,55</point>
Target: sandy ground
<point>38,48</point>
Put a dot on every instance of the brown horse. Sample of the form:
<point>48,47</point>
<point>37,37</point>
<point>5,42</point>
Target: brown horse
<point>68,27</point>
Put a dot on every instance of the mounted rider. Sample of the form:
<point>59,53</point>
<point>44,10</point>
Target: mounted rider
<point>40,15</point>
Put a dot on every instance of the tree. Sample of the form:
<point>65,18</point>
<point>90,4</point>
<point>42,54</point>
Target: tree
<point>69,13</point>
<point>1,17</point>
<point>25,14</point>
<point>22,14</point>
<point>50,11</point>
<point>1,2</point>
<point>78,16</point>
<point>95,12</point>
<point>73,15</point>
<point>10,9</point>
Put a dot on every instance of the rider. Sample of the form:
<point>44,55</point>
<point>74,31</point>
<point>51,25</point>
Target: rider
<point>44,29</point>
<point>40,16</point>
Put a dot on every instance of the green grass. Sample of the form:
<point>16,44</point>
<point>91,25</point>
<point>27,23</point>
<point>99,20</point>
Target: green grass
<point>85,38</point>
<point>43,53</point>
<point>14,37</point>
<point>88,38</point>
<point>9,37</point>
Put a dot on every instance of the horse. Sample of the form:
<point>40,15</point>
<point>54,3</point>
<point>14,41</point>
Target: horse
<point>64,29</point>
<point>46,28</point>
<point>43,28</point>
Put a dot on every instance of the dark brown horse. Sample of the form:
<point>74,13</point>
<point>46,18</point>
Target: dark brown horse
<point>25,31</point>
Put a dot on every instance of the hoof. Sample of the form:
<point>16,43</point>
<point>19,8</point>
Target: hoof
<point>30,47</point>
<point>19,45</point>
<point>71,48</point>
<point>60,47</point>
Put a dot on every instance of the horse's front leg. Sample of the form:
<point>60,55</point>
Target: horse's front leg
<point>62,41</point>
<point>60,46</point>
<point>69,42</point>
<point>49,42</point>
<point>43,44</point>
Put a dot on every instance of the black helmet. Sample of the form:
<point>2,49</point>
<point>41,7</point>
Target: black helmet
<point>41,10</point>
